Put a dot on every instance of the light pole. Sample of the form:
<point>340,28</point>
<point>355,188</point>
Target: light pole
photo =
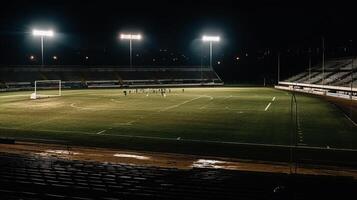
<point>130,37</point>
<point>42,34</point>
<point>210,39</point>
<point>323,61</point>
<point>278,67</point>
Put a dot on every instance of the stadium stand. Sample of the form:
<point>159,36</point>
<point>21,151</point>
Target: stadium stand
<point>337,73</point>
<point>37,177</point>
<point>339,77</point>
<point>23,77</point>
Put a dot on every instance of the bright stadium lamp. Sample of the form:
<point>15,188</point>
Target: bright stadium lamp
<point>42,34</point>
<point>210,39</point>
<point>48,33</point>
<point>130,37</point>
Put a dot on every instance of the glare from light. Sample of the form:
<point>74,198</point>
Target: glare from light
<point>206,38</point>
<point>32,57</point>
<point>130,36</point>
<point>47,33</point>
<point>54,57</point>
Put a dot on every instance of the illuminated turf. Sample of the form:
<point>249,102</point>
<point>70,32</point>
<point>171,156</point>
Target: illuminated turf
<point>105,117</point>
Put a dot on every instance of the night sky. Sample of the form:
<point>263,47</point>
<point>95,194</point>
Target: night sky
<point>254,31</point>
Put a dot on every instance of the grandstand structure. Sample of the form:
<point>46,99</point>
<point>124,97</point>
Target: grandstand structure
<point>339,78</point>
<point>23,77</point>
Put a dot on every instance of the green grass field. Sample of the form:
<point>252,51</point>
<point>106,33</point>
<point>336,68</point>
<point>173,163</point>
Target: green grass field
<point>198,121</point>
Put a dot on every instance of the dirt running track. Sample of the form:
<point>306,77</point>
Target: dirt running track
<point>164,159</point>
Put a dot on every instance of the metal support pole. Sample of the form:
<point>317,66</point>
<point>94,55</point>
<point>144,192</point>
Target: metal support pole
<point>131,56</point>
<point>352,79</point>
<point>278,68</point>
<point>42,63</point>
<point>291,134</point>
<point>210,54</point>
<point>323,61</point>
<point>60,87</point>
<point>201,64</point>
<point>310,69</point>
<point>35,88</point>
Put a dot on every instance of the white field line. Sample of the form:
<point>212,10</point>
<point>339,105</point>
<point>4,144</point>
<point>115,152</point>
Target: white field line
<point>269,104</point>
<point>266,108</point>
<point>73,105</point>
<point>116,101</point>
<point>349,119</point>
<point>204,106</point>
<point>167,108</point>
<point>211,98</point>
<point>100,132</point>
<point>193,140</point>
<point>45,130</point>
<point>15,95</point>
<point>234,109</point>
<point>180,104</point>
<point>127,123</point>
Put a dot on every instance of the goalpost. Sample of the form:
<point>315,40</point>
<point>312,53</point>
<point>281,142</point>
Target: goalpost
<point>47,88</point>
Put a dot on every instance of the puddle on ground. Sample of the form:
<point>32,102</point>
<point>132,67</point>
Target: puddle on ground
<point>215,164</point>
<point>58,152</point>
<point>122,155</point>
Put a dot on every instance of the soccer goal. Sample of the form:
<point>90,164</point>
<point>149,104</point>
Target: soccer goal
<point>46,89</point>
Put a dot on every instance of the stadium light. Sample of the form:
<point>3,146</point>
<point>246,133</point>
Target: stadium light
<point>42,34</point>
<point>210,39</point>
<point>48,33</point>
<point>130,37</point>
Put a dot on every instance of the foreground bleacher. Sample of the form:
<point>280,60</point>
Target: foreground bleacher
<point>35,177</point>
<point>20,77</point>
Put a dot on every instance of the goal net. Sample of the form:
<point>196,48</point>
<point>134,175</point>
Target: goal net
<point>46,88</point>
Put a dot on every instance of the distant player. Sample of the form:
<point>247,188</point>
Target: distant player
<point>124,92</point>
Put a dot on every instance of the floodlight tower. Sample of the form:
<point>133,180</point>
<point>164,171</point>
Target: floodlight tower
<point>42,34</point>
<point>210,39</point>
<point>130,37</point>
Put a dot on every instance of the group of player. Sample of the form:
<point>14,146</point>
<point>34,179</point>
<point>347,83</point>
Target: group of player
<point>147,91</point>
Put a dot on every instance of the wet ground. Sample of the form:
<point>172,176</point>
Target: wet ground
<point>166,160</point>
<point>50,177</point>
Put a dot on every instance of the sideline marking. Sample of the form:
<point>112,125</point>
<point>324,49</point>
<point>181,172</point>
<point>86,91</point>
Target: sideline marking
<point>266,108</point>
<point>273,99</point>
<point>101,132</point>
<point>354,123</point>
<point>194,140</point>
